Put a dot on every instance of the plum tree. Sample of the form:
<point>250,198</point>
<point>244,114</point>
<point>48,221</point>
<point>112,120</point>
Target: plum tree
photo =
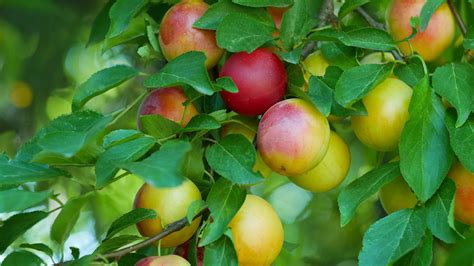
<point>169,103</point>
<point>170,204</point>
<point>464,202</point>
<point>260,77</point>
<point>257,232</point>
<point>331,171</point>
<point>168,260</point>
<point>397,195</point>
<point>430,43</point>
<point>178,36</point>
<point>293,137</point>
<point>387,108</point>
<point>277,15</point>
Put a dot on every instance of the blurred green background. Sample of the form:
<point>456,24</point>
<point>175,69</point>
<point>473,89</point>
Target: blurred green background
<point>43,57</point>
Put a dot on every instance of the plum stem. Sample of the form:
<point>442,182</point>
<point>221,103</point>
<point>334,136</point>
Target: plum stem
<point>169,229</point>
<point>372,22</point>
<point>458,18</point>
<point>326,14</point>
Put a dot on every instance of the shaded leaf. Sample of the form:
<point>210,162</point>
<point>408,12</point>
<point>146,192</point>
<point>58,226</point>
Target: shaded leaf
<point>17,225</point>
<point>128,219</point>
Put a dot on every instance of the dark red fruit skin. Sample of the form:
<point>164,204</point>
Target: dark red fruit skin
<point>261,79</point>
<point>183,251</point>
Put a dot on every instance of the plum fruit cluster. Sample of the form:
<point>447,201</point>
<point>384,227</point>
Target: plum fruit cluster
<point>292,137</point>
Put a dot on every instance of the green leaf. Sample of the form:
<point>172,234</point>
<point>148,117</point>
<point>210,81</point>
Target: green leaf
<point>17,225</point>
<point>462,139</point>
<point>224,201</point>
<point>112,244</point>
<point>193,167</point>
<point>264,3</point>
<point>233,158</point>
<point>427,11</point>
<point>120,136</point>
<point>239,32</point>
<point>367,38</point>
<point>339,55</point>
<point>84,261</point>
<point>356,82</point>
<point>320,94</point>
<point>292,57</point>
<point>296,23</point>
<point>421,256</point>
<point>218,11</point>
<point>108,162</point>
<point>67,218</point>
<point>162,168</point>
<point>455,83</point>
<point>158,126</point>
<point>68,135</point>
<point>392,237</point>
<point>468,42</point>
<point>22,257</point>
<point>19,200</point>
<point>188,69</point>
<point>101,24</point>
<point>227,84</point>
<point>425,154</point>
<point>411,73</point>
<point>201,122</point>
<point>221,253</point>
<point>14,172</point>
<point>133,34</point>
<point>194,209</point>
<point>39,247</point>
<point>362,188</point>
<point>349,6</point>
<point>128,219</point>
<point>130,259</point>
<point>75,252</point>
<point>462,254</point>
<point>101,82</point>
<point>440,209</point>
<point>122,13</point>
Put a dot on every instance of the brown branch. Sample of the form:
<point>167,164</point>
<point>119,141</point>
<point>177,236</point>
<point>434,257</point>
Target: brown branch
<point>169,229</point>
<point>372,22</point>
<point>458,18</point>
<point>326,15</point>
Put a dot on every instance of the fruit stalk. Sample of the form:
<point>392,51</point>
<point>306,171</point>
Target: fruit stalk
<point>458,18</point>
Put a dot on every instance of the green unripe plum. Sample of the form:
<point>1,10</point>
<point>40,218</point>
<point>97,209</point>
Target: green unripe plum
<point>387,108</point>
<point>171,204</point>
<point>331,171</point>
<point>397,195</point>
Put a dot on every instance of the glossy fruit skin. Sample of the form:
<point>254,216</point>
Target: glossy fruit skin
<point>387,108</point>
<point>293,137</point>
<point>315,64</point>
<point>177,35</point>
<point>464,201</point>
<point>331,171</point>
<point>261,79</point>
<point>170,204</point>
<point>397,195</point>
<point>378,58</point>
<point>432,42</point>
<point>257,232</point>
<point>168,102</point>
<point>168,260</point>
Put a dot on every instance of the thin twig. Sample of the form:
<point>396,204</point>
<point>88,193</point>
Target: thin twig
<point>372,22</point>
<point>326,15</point>
<point>169,229</point>
<point>458,18</point>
